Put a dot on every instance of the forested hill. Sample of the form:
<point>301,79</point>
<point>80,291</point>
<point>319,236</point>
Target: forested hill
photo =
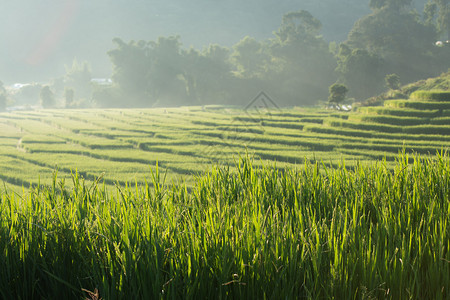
<point>43,36</point>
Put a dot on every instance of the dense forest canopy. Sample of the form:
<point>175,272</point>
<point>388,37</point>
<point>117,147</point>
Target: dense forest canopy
<point>294,51</point>
<point>43,36</point>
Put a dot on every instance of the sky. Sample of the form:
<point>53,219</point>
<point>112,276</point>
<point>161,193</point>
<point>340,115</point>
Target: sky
<point>40,37</point>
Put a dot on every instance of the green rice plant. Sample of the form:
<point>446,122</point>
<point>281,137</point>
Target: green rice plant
<point>32,126</point>
<point>127,138</point>
<point>403,112</point>
<point>41,139</point>
<point>289,125</point>
<point>440,121</point>
<point>390,147</point>
<point>366,126</point>
<point>426,105</point>
<point>8,130</point>
<point>428,129</point>
<point>339,115</point>
<point>392,120</point>
<point>255,232</point>
<point>339,131</point>
<point>432,95</point>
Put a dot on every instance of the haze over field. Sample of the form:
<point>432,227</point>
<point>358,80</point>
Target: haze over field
<point>39,37</point>
<point>171,53</point>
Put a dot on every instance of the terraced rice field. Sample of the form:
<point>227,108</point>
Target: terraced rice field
<point>123,145</point>
<point>354,231</point>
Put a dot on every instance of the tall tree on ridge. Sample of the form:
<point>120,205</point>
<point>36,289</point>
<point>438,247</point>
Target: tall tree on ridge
<point>439,9</point>
<point>3,97</point>
<point>395,33</point>
<point>303,62</point>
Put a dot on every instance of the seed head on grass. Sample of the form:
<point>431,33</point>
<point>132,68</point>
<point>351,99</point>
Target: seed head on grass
<point>93,295</point>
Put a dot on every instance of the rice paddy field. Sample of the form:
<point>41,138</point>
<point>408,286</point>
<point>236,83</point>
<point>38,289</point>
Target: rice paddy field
<point>122,145</point>
<point>216,202</point>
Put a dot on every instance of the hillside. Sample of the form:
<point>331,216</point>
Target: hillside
<point>437,83</point>
<point>441,82</point>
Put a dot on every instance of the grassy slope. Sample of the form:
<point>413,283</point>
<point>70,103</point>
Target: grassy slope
<point>435,83</point>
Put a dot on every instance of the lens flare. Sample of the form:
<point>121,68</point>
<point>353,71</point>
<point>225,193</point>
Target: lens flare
<point>49,43</point>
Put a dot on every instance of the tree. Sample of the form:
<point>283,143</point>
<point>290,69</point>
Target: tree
<point>361,71</point>
<point>250,58</point>
<point>337,93</point>
<point>392,81</point>
<point>3,97</point>
<point>299,26</point>
<point>165,83</point>
<point>429,13</point>
<point>395,34</point>
<point>78,78</point>
<point>392,4</point>
<point>69,94</point>
<point>301,62</point>
<point>47,97</point>
<point>208,75</point>
<point>130,68</point>
<point>440,11</point>
<point>150,73</point>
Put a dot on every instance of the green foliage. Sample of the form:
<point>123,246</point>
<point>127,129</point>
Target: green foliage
<point>417,104</point>
<point>161,73</point>
<point>252,233</point>
<point>47,97</point>
<point>441,82</point>
<point>432,95</point>
<point>250,58</point>
<point>307,66</point>
<point>360,70</point>
<point>428,129</point>
<point>27,95</point>
<point>391,4</point>
<point>337,93</point>
<point>297,25</point>
<point>69,94</point>
<point>392,81</point>
<point>3,97</point>
<point>396,121</point>
<point>439,10</point>
<point>78,79</point>
<point>122,142</point>
<point>296,66</point>
<point>429,12</point>
<point>395,36</point>
<point>402,112</point>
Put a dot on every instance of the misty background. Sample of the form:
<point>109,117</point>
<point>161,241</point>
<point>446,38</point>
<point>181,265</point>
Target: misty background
<point>66,44</point>
<point>40,37</point>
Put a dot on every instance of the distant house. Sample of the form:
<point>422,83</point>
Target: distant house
<point>102,81</point>
<point>18,86</point>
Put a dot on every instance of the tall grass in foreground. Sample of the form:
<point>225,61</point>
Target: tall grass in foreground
<point>254,233</point>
